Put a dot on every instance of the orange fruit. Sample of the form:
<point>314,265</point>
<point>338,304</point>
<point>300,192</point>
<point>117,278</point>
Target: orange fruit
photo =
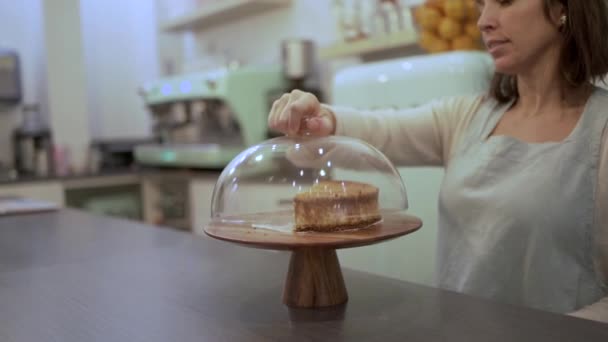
<point>418,12</point>
<point>449,28</point>
<point>440,45</point>
<point>427,40</point>
<point>472,13</point>
<point>429,18</point>
<point>464,42</point>
<point>471,29</point>
<point>436,4</point>
<point>455,9</point>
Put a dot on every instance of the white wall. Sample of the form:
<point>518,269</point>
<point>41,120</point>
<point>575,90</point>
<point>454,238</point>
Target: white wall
<point>252,40</point>
<point>120,48</point>
<point>99,52</point>
<point>21,29</point>
<point>118,40</point>
<point>257,39</point>
<point>66,79</point>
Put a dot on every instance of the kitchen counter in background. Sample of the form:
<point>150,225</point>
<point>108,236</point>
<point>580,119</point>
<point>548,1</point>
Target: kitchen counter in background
<point>170,197</point>
<point>37,179</point>
<point>136,172</point>
<point>70,276</point>
<point>156,196</point>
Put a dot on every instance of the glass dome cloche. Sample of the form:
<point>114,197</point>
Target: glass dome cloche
<point>319,184</point>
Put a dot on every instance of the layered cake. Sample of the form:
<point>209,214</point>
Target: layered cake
<point>336,205</point>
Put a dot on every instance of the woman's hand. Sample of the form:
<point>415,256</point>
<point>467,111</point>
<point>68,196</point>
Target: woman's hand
<point>300,113</point>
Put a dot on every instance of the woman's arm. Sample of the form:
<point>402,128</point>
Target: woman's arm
<point>421,136</point>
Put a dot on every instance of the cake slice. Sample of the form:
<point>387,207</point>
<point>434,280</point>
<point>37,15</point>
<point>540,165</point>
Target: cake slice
<point>330,206</point>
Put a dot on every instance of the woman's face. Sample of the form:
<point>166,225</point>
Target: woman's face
<point>518,34</point>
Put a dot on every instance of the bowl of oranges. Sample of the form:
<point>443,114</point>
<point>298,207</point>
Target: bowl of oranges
<point>448,25</point>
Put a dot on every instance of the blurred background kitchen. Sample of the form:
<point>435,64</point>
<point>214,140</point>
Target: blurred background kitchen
<point>132,108</point>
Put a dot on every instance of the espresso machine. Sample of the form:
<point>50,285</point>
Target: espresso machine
<point>203,120</point>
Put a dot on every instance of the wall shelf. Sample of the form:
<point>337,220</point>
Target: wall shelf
<point>370,46</point>
<point>220,12</point>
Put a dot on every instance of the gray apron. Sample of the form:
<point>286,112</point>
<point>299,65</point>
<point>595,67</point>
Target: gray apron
<point>516,219</point>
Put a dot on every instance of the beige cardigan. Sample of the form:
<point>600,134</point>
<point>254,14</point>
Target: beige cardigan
<point>427,135</point>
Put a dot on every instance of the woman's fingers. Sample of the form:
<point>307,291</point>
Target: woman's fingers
<point>320,126</point>
<point>274,119</point>
<point>298,113</point>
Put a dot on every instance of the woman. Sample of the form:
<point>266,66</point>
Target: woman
<point>523,209</point>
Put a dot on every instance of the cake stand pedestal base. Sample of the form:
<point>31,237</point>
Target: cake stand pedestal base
<point>314,279</point>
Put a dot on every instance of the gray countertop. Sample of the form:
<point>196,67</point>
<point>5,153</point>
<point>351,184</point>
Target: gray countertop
<point>70,276</point>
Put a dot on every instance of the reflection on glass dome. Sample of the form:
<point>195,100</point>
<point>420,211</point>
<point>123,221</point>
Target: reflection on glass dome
<point>308,184</point>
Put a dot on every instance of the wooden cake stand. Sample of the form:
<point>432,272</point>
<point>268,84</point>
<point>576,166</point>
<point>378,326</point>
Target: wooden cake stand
<point>314,278</point>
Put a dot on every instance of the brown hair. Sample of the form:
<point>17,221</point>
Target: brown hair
<point>584,55</point>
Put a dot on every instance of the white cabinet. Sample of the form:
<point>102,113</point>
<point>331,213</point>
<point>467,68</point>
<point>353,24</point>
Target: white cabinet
<point>43,191</point>
<point>411,257</point>
<point>262,198</point>
<point>201,190</point>
<point>220,12</point>
<point>251,198</point>
<point>166,199</point>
